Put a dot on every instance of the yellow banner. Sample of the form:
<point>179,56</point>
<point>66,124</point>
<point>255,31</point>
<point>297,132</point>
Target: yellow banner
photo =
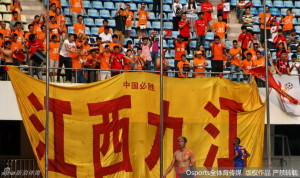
<point>111,128</point>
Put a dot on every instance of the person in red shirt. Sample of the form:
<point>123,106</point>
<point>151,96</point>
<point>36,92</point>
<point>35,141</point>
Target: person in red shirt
<point>282,64</point>
<point>280,39</point>
<point>244,39</point>
<point>220,8</point>
<point>33,46</point>
<point>201,27</point>
<point>117,61</point>
<point>184,30</point>
<point>207,9</point>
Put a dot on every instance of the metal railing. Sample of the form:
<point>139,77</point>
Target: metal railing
<point>16,168</point>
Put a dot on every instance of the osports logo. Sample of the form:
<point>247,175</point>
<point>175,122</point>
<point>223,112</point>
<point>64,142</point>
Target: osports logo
<point>179,171</point>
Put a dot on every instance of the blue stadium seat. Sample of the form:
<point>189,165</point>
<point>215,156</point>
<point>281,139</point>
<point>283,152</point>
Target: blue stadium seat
<point>253,11</point>
<point>71,30</point>
<point>260,10</point>
<point>274,11</point>
<point>87,4</point>
<point>172,61</point>
<point>170,16</point>
<point>167,8</point>
<point>93,13</point>
<point>127,39</point>
<point>148,1</point>
<point>256,20</point>
<point>209,36</point>
<point>89,22</point>
<point>133,6</point>
<point>87,31</point>
<point>150,6</point>
<point>278,4</point>
<point>295,21</point>
<point>193,44</point>
<point>94,31</point>
<point>297,3</point>
<point>68,21</point>
<point>152,16</point>
<point>109,5</point>
<point>269,3</point>
<point>149,25</point>
<point>288,4</point>
<point>165,45</point>
<point>172,53</point>
<point>256,29</point>
<point>168,25</point>
<point>283,11</point>
<point>133,33</point>
<point>297,28</point>
<point>136,42</point>
<point>156,25</point>
<point>97,5</point>
<point>113,13</point>
<point>64,3</point>
<point>228,45</point>
<point>111,23</point>
<point>257,3</point>
<point>175,34</point>
<point>207,45</point>
<point>170,44</point>
<point>167,55</point>
<point>99,22</point>
<point>168,1</point>
<point>105,14</point>
<point>297,12</point>
<point>66,11</point>
<point>233,2</point>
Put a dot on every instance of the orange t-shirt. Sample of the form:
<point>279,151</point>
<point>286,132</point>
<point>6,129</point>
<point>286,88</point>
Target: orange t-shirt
<point>54,30</point>
<point>5,32</point>
<point>287,23</point>
<point>143,18</point>
<point>140,61</point>
<point>180,49</point>
<point>129,17</point>
<point>57,3</point>
<point>112,45</point>
<point>61,22</point>
<point>76,6</point>
<point>218,50</point>
<point>252,51</point>
<point>14,46</point>
<point>247,65</point>
<point>180,65</point>
<point>52,13</point>
<point>259,62</point>
<point>236,60</point>
<point>91,60</point>
<point>220,28</point>
<point>20,34</point>
<point>75,60</point>
<point>79,28</point>
<point>202,62</point>
<point>17,8</point>
<point>127,66</point>
<point>101,30</point>
<point>1,42</point>
<point>105,61</point>
<point>54,50</point>
<point>84,50</point>
<point>27,35</point>
<point>262,20</point>
<point>41,36</point>
<point>37,27</point>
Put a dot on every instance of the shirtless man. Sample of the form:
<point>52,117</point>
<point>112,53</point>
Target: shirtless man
<point>183,158</point>
<point>7,52</point>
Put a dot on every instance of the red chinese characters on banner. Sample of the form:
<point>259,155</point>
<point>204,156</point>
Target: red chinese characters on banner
<point>233,108</point>
<point>174,123</point>
<point>139,86</point>
<point>114,127</point>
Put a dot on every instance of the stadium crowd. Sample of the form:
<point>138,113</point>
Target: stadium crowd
<point>112,55</point>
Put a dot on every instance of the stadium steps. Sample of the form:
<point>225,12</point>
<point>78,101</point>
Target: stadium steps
<point>32,8</point>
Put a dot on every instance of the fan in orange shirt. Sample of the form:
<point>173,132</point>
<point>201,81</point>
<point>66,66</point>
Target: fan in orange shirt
<point>128,60</point>
<point>79,27</point>
<point>56,2</point>
<point>199,64</point>
<point>93,61</point>
<point>76,8</point>
<point>37,24</point>
<point>114,42</point>
<point>19,32</point>
<point>105,24</point>
<point>18,47</point>
<point>236,55</point>
<point>184,67</point>
<point>105,63</point>
<point>61,21</point>
<point>52,10</point>
<point>54,56</point>
<point>260,60</point>
<point>5,32</point>
<point>16,6</point>
<point>140,60</point>
<point>288,22</point>
<point>220,28</point>
<point>129,17</point>
<point>30,31</point>
<point>247,63</point>
<point>54,28</point>
<point>143,19</point>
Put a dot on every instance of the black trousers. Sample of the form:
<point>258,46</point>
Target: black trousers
<point>216,66</point>
<point>262,34</point>
<point>156,5</point>
<point>175,23</point>
<point>67,61</point>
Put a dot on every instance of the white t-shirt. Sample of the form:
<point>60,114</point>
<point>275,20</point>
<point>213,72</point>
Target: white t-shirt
<point>63,51</point>
<point>105,37</point>
<point>294,70</point>
<point>174,7</point>
<point>192,13</point>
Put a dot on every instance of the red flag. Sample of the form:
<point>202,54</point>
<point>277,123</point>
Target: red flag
<point>260,72</point>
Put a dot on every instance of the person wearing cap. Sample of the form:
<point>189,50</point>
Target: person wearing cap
<point>143,19</point>
<point>199,64</point>
<point>120,24</point>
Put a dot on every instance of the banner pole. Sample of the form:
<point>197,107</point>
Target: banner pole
<point>161,165</point>
<point>47,93</point>
<point>267,91</point>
